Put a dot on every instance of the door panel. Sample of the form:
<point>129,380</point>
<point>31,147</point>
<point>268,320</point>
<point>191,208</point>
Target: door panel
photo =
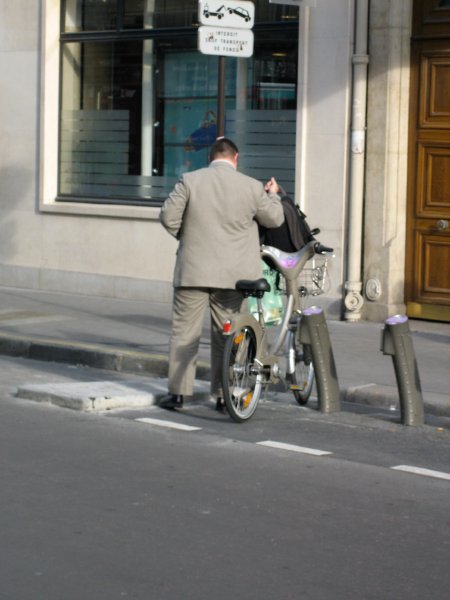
<point>434,253</point>
<point>427,274</point>
<point>435,91</point>
<point>433,173</point>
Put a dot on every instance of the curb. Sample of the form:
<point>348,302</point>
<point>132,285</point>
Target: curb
<point>123,360</point>
<point>388,397</point>
<point>95,356</point>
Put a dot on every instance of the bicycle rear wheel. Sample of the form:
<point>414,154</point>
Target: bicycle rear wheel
<point>242,387</point>
<point>302,377</point>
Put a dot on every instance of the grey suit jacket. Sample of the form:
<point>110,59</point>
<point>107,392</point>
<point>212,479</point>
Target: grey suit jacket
<point>214,213</point>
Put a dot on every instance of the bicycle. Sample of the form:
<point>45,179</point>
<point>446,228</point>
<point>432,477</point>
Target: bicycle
<point>249,364</point>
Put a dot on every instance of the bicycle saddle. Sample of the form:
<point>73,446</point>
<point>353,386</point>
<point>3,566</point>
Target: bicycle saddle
<point>252,287</point>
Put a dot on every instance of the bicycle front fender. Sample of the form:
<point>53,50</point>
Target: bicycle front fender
<point>242,321</point>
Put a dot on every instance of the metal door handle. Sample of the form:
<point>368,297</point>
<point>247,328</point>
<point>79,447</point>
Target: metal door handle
<point>442,224</point>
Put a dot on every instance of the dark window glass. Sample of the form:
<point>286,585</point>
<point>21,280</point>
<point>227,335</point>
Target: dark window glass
<point>90,15</point>
<point>139,110</point>
<point>106,15</point>
<point>137,14</point>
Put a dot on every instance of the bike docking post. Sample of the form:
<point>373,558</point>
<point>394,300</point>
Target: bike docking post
<point>396,341</point>
<point>314,332</point>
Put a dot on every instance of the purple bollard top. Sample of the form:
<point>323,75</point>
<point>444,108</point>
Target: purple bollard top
<point>313,310</point>
<point>396,320</point>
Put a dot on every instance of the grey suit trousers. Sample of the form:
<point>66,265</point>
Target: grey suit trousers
<point>189,305</point>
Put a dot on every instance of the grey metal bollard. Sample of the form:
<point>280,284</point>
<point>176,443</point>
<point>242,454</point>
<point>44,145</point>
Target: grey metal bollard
<point>314,332</point>
<point>396,341</point>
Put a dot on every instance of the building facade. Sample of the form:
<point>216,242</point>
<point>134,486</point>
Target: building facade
<point>106,103</point>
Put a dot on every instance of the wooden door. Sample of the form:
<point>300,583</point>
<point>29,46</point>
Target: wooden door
<point>428,217</point>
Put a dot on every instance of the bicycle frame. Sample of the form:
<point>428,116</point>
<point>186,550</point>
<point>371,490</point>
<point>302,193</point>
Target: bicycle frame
<point>289,266</point>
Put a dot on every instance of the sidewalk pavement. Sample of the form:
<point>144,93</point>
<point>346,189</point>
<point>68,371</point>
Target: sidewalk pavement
<point>133,338</point>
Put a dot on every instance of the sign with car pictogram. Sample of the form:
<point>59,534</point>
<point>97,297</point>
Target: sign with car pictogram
<point>240,15</point>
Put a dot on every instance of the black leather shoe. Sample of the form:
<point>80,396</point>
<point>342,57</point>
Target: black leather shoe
<point>220,405</point>
<point>171,402</point>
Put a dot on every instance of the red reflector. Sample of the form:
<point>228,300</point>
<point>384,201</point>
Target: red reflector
<point>227,326</point>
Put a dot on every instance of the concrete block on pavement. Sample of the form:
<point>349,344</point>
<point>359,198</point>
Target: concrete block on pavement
<point>99,396</point>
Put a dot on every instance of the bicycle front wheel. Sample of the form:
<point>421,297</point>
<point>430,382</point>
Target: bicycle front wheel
<point>302,377</point>
<point>242,385</point>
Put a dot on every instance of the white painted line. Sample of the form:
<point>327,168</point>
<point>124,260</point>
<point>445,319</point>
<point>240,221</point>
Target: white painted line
<point>169,424</point>
<point>293,448</point>
<point>420,471</point>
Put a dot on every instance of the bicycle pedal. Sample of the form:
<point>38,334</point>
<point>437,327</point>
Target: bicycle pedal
<point>299,388</point>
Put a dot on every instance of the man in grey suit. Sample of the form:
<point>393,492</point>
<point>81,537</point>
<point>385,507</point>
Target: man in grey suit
<point>214,213</point>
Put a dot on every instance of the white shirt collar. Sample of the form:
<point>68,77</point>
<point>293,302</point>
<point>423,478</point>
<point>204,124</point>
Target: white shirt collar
<point>223,160</point>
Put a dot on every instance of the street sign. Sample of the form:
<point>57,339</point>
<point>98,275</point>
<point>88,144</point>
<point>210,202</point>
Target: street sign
<point>225,41</point>
<point>240,15</point>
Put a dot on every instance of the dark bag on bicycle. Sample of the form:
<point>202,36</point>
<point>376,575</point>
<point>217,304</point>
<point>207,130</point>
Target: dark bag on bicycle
<point>293,234</point>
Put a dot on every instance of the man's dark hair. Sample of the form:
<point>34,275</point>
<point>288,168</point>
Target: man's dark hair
<point>223,148</point>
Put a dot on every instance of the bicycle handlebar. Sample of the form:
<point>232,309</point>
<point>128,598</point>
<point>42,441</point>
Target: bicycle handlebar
<point>320,249</point>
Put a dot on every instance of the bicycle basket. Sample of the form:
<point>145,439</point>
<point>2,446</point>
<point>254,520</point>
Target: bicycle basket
<point>314,280</point>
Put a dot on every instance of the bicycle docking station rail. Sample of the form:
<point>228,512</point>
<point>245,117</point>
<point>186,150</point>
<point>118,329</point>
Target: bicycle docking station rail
<point>314,332</point>
<point>396,341</point>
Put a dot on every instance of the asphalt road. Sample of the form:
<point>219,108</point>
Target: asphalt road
<point>103,506</point>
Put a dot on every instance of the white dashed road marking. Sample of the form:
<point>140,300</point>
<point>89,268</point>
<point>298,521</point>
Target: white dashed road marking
<point>293,448</point>
<point>420,471</point>
<point>168,424</point>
